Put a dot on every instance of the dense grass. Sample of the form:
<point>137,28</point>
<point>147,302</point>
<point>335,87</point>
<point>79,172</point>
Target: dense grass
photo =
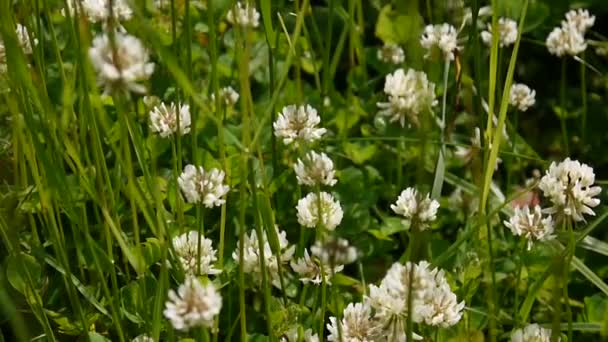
<point>91,198</point>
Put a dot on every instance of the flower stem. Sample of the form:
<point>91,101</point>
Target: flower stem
<point>562,104</point>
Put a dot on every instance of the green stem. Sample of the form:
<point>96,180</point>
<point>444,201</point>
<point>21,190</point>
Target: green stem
<point>562,103</point>
<point>584,98</point>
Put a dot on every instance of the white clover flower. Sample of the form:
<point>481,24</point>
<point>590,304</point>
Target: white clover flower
<point>416,208</point>
<point>186,248</point>
<point>522,97</point>
<point>433,302</point>
<point>443,37</point>
<point>293,336</point>
<point>298,123</point>
<point>391,53</point>
<point>565,40</point>
<point>163,119</point>
<point>251,256</point>
<point>314,271</point>
<point>330,211</point>
<point>143,338</point>
<point>193,305</point>
<point>245,16</point>
<point>409,94</point>
<point>580,19</point>
<point>203,186</point>
<point>334,251</point>
<point>121,68</point>
<point>532,333</point>
<point>441,307</point>
<point>228,96</point>
<point>24,41</point>
<point>315,169</point>
<point>99,10</point>
<point>531,225</point>
<point>569,186</point>
<point>507,30</point>
<point>356,325</point>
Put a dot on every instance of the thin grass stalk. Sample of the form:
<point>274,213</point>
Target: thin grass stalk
<point>584,99</point>
<point>440,167</point>
<point>520,264</point>
<point>261,241</point>
<point>491,156</point>
<point>562,103</point>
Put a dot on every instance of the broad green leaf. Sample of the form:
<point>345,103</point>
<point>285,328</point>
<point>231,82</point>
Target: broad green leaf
<point>18,267</point>
<point>359,153</point>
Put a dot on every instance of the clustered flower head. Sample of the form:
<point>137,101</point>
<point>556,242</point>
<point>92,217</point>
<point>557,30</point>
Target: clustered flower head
<point>319,211</point>
<point>186,248</point>
<point>532,333</point>
<point>334,251</point>
<point>432,300</point>
<point>356,325</point>
<point>228,96</point>
<point>416,208</point>
<point>193,305</point>
<point>569,38</point>
<point>569,186</point>
<point>100,10</point>
<point>243,15</point>
<point>315,169</point>
<point>24,41</point>
<point>203,186</point>
<point>313,270</point>
<point>443,37</point>
<point>507,33</point>
<point>293,336</point>
<point>531,225</point>
<point>298,123</point>
<point>391,53</point>
<point>522,97</point>
<point>409,94</point>
<point>122,65</point>
<point>143,338</point>
<point>163,119</point>
<point>252,254</point>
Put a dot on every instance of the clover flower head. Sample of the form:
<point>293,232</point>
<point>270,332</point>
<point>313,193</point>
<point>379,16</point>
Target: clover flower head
<point>193,305</point>
<point>391,53</point>
<point>199,185</point>
<point>252,255</point>
<point>122,65</point>
<point>580,19</point>
<point>416,208</point>
<point>443,37</point>
<point>531,225</point>
<point>334,251</point>
<point>298,123</point>
<point>320,210</point>
<point>356,325</point>
<point>532,333</point>
<point>409,94</point>
<point>522,96</point>
<point>565,40</point>
<point>569,186</point>
<point>228,96</point>
<point>433,302</point>
<point>315,169</point>
<point>313,270</point>
<point>100,10</point>
<point>507,33</point>
<point>186,248</point>
<point>163,119</point>
<point>243,15</point>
